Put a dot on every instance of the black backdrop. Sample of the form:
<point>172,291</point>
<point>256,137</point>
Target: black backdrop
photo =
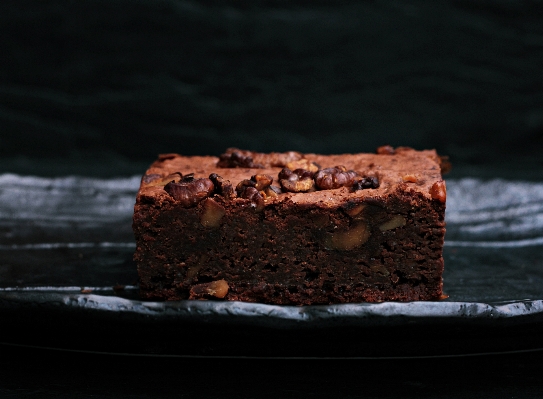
<point>100,87</point>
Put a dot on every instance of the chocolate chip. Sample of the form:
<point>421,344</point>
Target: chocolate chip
<point>366,182</point>
<point>189,191</point>
<point>336,177</point>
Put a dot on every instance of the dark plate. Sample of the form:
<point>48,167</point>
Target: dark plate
<point>67,281</point>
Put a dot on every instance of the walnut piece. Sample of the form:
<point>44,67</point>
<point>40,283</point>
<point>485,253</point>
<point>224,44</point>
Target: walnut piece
<point>353,209</point>
<point>222,187</point>
<point>217,289</point>
<point>394,222</point>
<point>281,159</point>
<point>190,191</point>
<point>347,240</point>
<point>271,191</point>
<point>303,164</point>
<point>249,192</point>
<point>212,213</point>
<point>410,178</point>
<point>336,177</point>
<point>438,191</point>
<point>256,189</point>
<point>262,181</point>
<point>296,181</point>
<point>236,158</point>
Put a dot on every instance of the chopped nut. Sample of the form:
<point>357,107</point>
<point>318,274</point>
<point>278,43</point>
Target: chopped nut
<point>262,181</point>
<point>365,183</point>
<point>212,213</point>
<point>298,186</point>
<point>218,289</point>
<point>236,158</point>
<point>272,191</point>
<point>281,159</point>
<point>303,164</point>
<point>385,150</point>
<point>190,191</point>
<point>242,186</point>
<point>410,178</point>
<point>349,239</point>
<point>331,178</point>
<point>353,209</point>
<point>396,221</point>
<point>296,181</point>
<point>438,191</point>
<point>222,187</point>
<point>253,195</point>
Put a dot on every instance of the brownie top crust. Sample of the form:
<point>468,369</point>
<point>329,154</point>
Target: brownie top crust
<point>392,168</point>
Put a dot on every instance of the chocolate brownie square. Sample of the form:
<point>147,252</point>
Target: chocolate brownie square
<point>292,228</point>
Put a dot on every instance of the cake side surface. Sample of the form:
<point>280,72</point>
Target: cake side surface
<point>332,245</point>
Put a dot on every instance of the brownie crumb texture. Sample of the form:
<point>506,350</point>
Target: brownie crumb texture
<point>292,228</point>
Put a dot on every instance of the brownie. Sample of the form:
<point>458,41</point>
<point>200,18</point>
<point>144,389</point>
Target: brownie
<point>292,228</point>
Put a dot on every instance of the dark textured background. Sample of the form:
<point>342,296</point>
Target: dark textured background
<point>104,86</point>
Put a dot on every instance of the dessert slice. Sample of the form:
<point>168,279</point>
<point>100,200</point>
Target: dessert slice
<point>292,228</point>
